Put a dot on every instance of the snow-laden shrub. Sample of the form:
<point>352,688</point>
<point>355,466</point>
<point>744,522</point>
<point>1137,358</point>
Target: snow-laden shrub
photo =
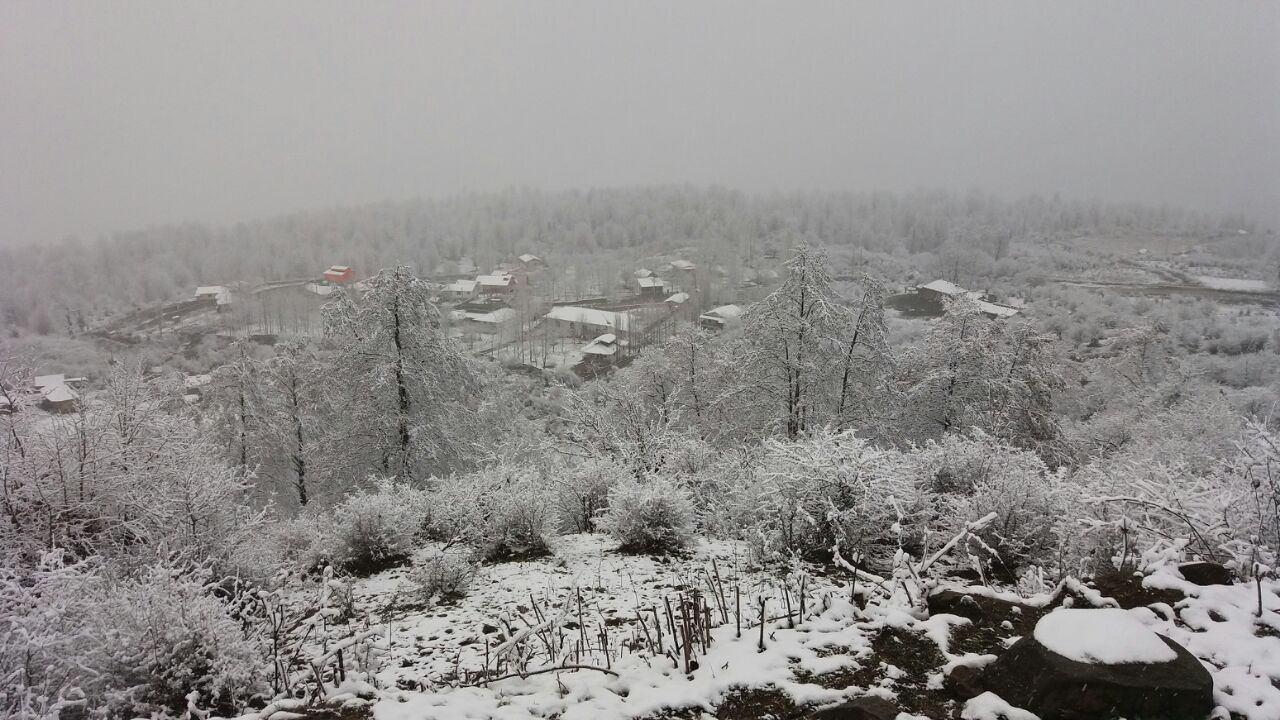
<point>582,492</point>
<point>726,494</point>
<point>375,528</point>
<point>651,516</point>
<point>73,636</point>
<point>43,636</point>
<point>445,573</point>
<point>829,489</point>
<point>506,513</point>
<point>306,542</point>
<point>163,637</point>
<point>967,478</point>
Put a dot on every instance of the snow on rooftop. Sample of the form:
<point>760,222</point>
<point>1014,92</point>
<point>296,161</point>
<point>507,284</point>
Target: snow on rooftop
<point>461,286</point>
<point>650,282</point>
<point>46,381</point>
<point>529,257</point>
<point>682,265</point>
<point>500,315</point>
<point>722,313</point>
<point>945,287</point>
<point>60,393</point>
<point>1102,637</point>
<point>678,298</point>
<point>209,290</point>
<point>996,309</point>
<point>643,273</point>
<point>604,345</point>
<point>494,280</point>
<point>589,316</point>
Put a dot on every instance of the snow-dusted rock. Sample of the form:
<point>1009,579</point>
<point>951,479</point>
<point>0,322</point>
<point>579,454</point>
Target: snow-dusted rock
<point>1100,663</point>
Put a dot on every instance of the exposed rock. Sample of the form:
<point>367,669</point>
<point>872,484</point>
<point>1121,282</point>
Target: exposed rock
<point>1033,677</point>
<point>975,607</point>
<point>963,682</point>
<point>863,708</point>
<point>1206,573</point>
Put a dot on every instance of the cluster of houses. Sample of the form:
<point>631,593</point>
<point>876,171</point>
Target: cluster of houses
<point>503,281</point>
<point>58,394</point>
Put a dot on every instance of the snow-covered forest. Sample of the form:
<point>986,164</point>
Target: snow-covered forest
<point>835,497</point>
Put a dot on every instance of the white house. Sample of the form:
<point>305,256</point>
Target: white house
<point>585,322</point>
<point>605,346</point>
<point>458,290</point>
<point>721,317</point>
<point>496,284</point>
<point>217,295</point>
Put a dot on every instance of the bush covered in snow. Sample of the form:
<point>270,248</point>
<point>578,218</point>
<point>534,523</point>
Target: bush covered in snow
<point>651,516</point>
<point>582,492</point>
<point>504,512</point>
<point>967,478</point>
<point>445,573</point>
<point>370,529</point>
<point>155,644</point>
<point>829,489</point>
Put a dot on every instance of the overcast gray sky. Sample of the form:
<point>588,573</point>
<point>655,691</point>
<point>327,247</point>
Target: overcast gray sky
<point>119,115</point>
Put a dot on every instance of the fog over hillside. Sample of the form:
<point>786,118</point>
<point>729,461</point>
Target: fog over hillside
<point>116,116</point>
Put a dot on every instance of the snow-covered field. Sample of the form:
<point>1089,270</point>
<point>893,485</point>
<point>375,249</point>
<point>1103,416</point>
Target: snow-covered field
<point>892,648</point>
<point>1239,284</point>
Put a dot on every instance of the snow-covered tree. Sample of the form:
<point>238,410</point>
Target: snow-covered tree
<point>792,342</point>
<point>411,392</point>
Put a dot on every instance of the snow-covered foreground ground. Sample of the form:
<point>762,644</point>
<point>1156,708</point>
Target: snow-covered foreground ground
<point>838,651</point>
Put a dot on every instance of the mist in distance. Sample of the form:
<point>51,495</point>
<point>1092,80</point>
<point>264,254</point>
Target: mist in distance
<point>120,115</point>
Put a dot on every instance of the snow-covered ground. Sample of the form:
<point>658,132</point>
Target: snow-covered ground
<point>1239,284</point>
<point>838,651</point>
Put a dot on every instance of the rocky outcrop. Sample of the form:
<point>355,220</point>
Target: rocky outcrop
<point>1032,677</point>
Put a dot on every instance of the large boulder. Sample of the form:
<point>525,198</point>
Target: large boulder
<point>1206,573</point>
<point>1097,664</point>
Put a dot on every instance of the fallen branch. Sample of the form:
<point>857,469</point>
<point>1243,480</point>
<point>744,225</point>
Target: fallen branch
<point>526,674</point>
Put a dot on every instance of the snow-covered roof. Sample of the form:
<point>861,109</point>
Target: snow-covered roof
<point>724,312</point>
<point>528,258</point>
<point>338,268</point>
<point>647,282</point>
<point>945,287</point>
<point>997,310</point>
<point>494,280</point>
<point>589,316</point>
<point>679,298</point>
<point>643,273</point>
<point>48,381</point>
<point>682,265</point>
<point>463,286</point>
<point>606,344</point>
<point>495,317</point>
<point>60,393</point>
<point>220,294</point>
<point>195,381</point>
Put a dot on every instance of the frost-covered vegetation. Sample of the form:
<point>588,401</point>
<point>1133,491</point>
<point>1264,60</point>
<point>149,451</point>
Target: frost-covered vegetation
<point>253,550</point>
